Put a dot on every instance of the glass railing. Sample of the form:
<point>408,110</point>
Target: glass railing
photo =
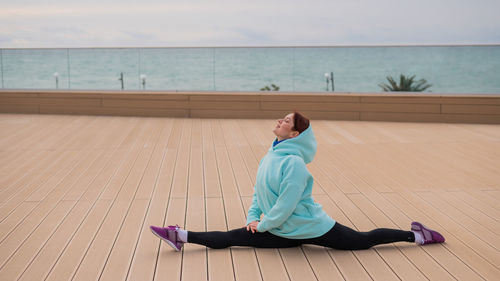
<point>450,69</point>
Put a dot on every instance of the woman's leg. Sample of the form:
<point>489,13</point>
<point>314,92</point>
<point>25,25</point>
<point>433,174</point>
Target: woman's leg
<point>240,237</point>
<point>344,238</point>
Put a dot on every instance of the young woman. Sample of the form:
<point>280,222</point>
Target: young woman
<point>283,212</point>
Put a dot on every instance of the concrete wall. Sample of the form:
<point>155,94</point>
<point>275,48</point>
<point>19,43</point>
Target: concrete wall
<point>415,107</point>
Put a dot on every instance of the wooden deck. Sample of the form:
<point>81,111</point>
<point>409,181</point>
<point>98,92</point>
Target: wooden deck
<point>77,194</point>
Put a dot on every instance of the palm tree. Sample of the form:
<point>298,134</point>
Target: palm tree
<point>406,84</point>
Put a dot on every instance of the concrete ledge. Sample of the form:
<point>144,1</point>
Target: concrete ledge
<point>411,107</point>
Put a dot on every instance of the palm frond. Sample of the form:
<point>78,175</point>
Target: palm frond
<point>406,84</point>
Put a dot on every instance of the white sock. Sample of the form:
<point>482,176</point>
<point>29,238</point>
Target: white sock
<point>183,234</point>
<point>418,238</point>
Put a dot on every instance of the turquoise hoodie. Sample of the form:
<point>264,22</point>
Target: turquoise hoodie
<point>283,191</point>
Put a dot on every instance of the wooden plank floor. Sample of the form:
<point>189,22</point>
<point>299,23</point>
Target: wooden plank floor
<point>77,194</point>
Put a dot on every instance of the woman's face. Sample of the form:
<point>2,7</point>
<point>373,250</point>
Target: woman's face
<point>284,128</point>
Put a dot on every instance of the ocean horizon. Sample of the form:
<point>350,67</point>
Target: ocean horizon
<point>461,69</point>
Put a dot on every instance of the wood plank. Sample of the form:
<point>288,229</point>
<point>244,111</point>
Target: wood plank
<point>122,162</point>
<point>195,256</point>
<point>481,218</point>
<point>485,197</point>
<point>227,181</point>
<point>151,174</point>
<point>296,263</point>
<point>465,221</point>
<point>138,103</point>
<point>321,263</point>
<point>414,256</point>
<point>361,107</point>
<point>403,266</point>
<point>477,204</point>
<point>223,105</point>
<point>364,175</point>
<point>210,171</point>
<point>98,253</point>
<point>35,176</point>
<point>69,102</point>
<point>87,187</point>
<point>146,254</point>
<point>27,148</point>
<point>370,260</point>
<point>180,187</point>
<point>17,236</point>
<point>14,257</point>
<point>348,264</point>
<point>115,111</point>
<point>79,212</point>
<point>493,193</point>
<point>169,262</point>
<point>14,172</point>
<point>15,125</point>
<point>15,218</point>
<point>44,191</point>
<point>30,190</point>
<point>243,181</point>
<point>49,255</point>
<point>67,129</point>
<point>270,261</point>
<point>68,262</point>
<point>219,261</point>
<point>118,262</point>
<point>461,244</point>
<point>476,109</point>
<point>244,259</point>
<point>34,128</point>
<point>117,174</point>
<point>196,187</point>
<point>37,254</point>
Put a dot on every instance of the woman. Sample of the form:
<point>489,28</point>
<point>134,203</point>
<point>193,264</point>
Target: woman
<point>283,212</point>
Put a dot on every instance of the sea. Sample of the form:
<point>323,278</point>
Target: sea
<point>360,69</point>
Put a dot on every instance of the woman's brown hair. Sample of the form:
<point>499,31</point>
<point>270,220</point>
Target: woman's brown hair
<point>300,122</point>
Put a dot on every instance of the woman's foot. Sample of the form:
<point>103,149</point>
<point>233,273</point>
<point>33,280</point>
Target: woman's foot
<point>170,235</point>
<point>425,235</point>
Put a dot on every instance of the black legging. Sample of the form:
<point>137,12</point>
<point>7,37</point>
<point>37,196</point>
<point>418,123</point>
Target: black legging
<point>339,237</point>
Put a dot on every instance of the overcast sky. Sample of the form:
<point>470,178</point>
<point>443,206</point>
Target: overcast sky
<point>164,23</point>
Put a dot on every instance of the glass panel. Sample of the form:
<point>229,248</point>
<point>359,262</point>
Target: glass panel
<point>178,69</point>
<point>311,64</point>
<point>250,69</point>
<point>355,69</point>
<point>1,67</point>
<point>101,68</point>
<point>468,69</point>
<point>450,69</point>
<point>35,68</point>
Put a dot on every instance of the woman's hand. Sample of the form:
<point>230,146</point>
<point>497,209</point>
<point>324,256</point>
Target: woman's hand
<point>252,226</point>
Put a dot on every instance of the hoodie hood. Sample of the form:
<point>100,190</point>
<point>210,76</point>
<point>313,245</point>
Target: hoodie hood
<point>303,145</point>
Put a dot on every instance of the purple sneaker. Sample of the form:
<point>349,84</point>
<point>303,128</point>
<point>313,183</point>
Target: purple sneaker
<point>428,235</point>
<point>169,234</point>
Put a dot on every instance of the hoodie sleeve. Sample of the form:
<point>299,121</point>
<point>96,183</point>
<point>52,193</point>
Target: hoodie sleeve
<point>254,211</point>
<point>292,186</point>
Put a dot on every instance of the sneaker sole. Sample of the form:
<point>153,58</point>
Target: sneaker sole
<point>166,240</point>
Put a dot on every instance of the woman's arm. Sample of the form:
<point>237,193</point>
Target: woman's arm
<point>292,186</point>
<point>254,211</point>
